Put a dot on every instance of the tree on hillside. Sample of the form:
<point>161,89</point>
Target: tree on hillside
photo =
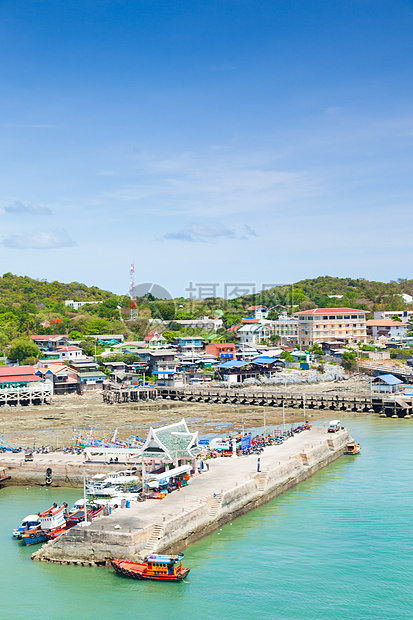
<point>23,351</point>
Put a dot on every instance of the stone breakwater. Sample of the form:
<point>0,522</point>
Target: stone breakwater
<point>231,488</point>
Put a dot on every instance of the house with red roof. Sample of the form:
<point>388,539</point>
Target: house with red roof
<point>18,376</point>
<point>70,352</point>
<point>221,350</point>
<point>65,380</point>
<point>50,342</point>
<point>345,325</point>
<point>155,340</point>
<point>387,327</point>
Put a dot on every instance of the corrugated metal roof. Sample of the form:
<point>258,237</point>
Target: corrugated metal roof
<point>233,364</point>
<point>263,359</point>
<point>389,379</point>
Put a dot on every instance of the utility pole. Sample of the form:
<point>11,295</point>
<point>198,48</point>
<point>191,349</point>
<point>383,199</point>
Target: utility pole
<point>283,416</point>
<point>304,405</point>
<point>264,424</point>
<point>84,498</point>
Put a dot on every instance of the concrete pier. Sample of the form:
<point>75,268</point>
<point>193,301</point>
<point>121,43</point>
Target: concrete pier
<point>66,469</point>
<point>231,487</point>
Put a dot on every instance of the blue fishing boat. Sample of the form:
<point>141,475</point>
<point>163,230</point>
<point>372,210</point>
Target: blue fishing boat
<point>31,522</point>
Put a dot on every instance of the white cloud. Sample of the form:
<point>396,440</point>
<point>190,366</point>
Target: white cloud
<point>208,232</point>
<point>18,208</point>
<point>42,240</point>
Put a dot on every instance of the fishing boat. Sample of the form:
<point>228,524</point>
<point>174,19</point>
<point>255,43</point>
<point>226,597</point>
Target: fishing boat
<point>102,485</point>
<point>3,475</point>
<point>352,448</point>
<point>156,567</point>
<point>31,522</point>
<point>49,520</point>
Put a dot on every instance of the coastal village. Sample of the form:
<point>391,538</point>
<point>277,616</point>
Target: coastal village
<point>154,490</point>
<point>327,340</point>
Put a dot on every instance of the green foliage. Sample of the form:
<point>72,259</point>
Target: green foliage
<point>231,319</point>
<point>174,326</point>
<point>90,346</point>
<point>108,309</point>
<point>316,349</point>
<point>286,355</point>
<point>170,335</point>
<point>24,351</point>
<point>350,360</point>
<point>75,335</point>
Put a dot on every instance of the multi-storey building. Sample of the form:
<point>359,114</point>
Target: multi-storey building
<point>326,324</point>
<point>284,327</point>
<point>406,316</point>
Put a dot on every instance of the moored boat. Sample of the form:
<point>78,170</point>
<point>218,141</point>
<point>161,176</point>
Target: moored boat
<point>156,567</point>
<point>49,520</point>
<point>3,475</point>
<point>31,522</point>
<point>352,448</point>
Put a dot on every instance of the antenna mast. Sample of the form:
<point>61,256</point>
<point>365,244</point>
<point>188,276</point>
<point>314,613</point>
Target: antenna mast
<point>133,311</point>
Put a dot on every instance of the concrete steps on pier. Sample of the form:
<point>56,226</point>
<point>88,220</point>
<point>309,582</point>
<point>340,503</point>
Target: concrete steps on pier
<point>215,505</point>
<point>152,544</point>
<point>261,480</point>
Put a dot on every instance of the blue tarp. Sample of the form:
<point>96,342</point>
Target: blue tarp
<point>233,364</point>
<point>246,442</point>
<point>163,372</point>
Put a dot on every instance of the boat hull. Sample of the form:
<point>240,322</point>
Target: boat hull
<point>35,539</point>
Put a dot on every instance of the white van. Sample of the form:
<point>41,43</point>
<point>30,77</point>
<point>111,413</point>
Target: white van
<point>334,426</point>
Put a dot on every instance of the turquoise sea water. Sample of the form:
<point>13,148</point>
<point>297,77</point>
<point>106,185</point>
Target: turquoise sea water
<point>338,546</point>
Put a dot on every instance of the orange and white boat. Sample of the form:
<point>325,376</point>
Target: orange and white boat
<point>157,567</point>
<point>353,448</point>
<point>49,520</point>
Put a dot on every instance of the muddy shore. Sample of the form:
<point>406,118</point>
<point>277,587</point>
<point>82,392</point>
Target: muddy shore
<point>53,424</point>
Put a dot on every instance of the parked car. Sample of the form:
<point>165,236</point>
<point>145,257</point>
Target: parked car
<point>334,426</point>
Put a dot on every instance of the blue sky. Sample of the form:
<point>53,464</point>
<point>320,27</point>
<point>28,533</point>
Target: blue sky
<point>208,141</point>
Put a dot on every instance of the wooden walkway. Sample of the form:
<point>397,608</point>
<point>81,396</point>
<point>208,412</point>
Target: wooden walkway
<point>113,395</point>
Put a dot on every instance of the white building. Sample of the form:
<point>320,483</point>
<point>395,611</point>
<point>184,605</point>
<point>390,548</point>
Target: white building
<point>258,312</point>
<point>284,327</point>
<point>386,327</point>
<point>405,315</point>
<point>253,333</point>
<point>70,353</point>
<point>75,305</point>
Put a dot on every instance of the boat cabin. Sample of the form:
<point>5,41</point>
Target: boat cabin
<point>169,565</point>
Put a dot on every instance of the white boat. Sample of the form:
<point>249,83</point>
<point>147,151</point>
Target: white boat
<point>28,523</point>
<point>116,500</point>
<point>102,485</point>
<point>52,518</point>
<point>126,476</point>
